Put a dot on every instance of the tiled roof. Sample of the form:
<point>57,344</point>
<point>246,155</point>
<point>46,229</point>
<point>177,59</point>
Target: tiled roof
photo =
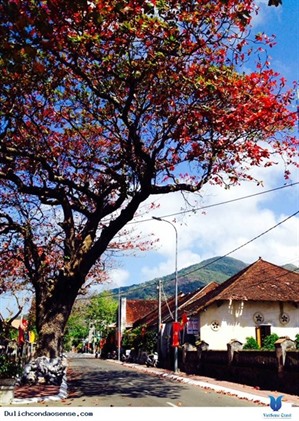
<point>261,281</point>
<point>136,309</point>
<point>200,297</point>
<point>167,308</point>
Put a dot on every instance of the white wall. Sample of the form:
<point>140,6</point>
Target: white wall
<point>236,321</point>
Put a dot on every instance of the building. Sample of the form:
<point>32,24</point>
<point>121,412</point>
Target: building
<point>259,300</point>
<point>132,310</point>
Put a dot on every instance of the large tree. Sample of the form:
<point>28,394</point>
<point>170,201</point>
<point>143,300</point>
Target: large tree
<point>105,103</point>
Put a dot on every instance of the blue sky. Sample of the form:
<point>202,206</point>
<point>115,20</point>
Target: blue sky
<point>216,231</point>
<point>224,228</point>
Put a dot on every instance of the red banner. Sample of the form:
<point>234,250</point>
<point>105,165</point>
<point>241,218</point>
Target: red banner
<point>176,328</point>
<point>22,329</point>
<point>184,319</point>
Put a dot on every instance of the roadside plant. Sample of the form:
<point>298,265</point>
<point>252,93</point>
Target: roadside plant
<point>269,342</point>
<point>140,339</point>
<point>251,343</point>
<point>9,367</point>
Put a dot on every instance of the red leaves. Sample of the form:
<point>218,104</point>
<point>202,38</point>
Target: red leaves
<point>105,103</point>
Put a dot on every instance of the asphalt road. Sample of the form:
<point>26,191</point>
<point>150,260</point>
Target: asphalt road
<point>95,382</point>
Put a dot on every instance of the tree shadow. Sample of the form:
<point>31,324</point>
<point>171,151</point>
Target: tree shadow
<point>123,382</point>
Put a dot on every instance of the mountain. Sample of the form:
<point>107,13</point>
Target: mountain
<point>291,267</point>
<point>217,269</point>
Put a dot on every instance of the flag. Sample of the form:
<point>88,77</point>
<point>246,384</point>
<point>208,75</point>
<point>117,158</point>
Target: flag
<point>184,319</point>
<point>31,337</point>
<point>22,329</point>
<point>176,328</point>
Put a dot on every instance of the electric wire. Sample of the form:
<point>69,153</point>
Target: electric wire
<point>165,299</point>
<point>218,203</point>
<point>211,206</point>
<point>223,256</point>
<point>248,242</point>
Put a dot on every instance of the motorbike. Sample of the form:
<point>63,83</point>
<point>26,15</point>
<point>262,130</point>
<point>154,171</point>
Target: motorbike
<point>112,355</point>
<point>125,358</point>
<point>152,360</point>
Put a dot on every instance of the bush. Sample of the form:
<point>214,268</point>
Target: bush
<point>8,367</point>
<point>140,339</point>
<point>297,341</point>
<point>269,342</point>
<point>251,343</point>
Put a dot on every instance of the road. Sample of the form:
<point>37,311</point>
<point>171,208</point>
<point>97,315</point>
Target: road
<point>95,382</point>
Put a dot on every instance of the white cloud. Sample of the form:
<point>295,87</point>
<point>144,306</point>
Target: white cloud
<point>264,13</point>
<point>224,228</point>
<point>119,277</point>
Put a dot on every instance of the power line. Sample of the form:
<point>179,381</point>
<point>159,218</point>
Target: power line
<point>245,244</point>
<point>225,255</point>
<point>219,203</point>
<point>165,299</point>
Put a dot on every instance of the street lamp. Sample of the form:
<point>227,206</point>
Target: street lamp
<point>175,285</point>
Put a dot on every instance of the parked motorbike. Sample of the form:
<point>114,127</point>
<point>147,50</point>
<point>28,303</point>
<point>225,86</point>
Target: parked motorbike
<point>112,355</point>
<point>152,360</point>
<point>125,358</point>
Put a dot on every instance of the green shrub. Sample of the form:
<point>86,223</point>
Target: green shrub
<point>297,341</point>
<point>251,343</point>
<point>8,367</point>
<point>140,339</point>
<point>269,342</point>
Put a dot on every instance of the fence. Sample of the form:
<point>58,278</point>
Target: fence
<point>274,370</point>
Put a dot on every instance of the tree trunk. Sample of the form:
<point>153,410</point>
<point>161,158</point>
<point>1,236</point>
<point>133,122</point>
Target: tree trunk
<point>54,302</point>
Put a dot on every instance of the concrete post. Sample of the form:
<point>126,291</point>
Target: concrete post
<point>232,347</point>
<point>282,345</point>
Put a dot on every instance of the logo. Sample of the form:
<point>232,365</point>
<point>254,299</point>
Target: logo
<point>275,403</point>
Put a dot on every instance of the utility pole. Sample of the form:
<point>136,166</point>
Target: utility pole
<point>176,354</point>
<point>119,326</point>
<point>159,287</point>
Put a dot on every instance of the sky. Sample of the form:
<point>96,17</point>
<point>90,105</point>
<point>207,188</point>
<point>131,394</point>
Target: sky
<point>218,230</point>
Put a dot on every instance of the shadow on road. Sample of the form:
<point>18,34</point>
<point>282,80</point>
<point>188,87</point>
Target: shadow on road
<point>96,380</point>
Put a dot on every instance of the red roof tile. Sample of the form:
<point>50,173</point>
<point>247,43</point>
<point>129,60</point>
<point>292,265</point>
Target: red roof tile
<point>136,309</point>
<point>185,301</point>
<point>261,281</point>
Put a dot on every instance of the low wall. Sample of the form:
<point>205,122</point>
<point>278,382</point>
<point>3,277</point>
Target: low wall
<point>274,370</point>
<point>292,361</point>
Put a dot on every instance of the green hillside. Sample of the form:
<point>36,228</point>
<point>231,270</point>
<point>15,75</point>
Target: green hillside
<point>216,269</point>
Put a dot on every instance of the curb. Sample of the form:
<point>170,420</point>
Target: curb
<point>63,391</point>
<point>206,385</point>
<point>62,394</point>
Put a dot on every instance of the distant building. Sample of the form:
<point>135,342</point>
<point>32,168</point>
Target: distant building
<point>132,310</point>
